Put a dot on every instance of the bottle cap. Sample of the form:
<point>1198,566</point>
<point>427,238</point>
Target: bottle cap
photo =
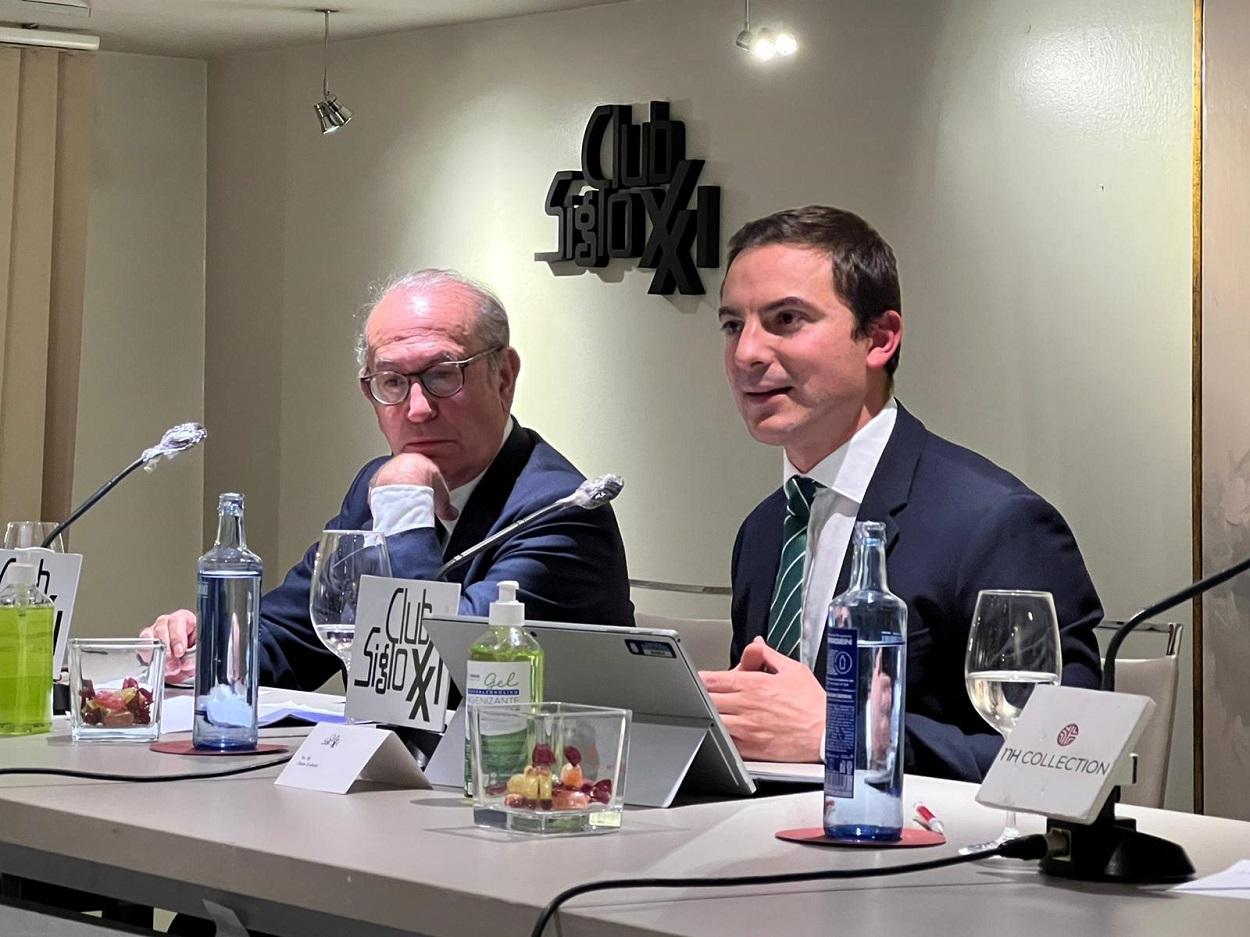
<point>506,610</point>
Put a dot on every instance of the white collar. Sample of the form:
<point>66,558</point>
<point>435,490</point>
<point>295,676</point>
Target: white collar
<point>849,468</point>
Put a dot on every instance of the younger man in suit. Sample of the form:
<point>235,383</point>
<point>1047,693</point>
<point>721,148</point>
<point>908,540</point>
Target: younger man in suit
<point>810,311</point>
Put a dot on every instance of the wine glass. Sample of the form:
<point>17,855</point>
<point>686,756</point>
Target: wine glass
<point>22,534</point>
<point>343,556</point>
<point>1013,646</point>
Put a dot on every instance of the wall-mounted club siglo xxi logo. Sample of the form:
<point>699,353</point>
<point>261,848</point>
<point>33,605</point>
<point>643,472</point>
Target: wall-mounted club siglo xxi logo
<point>640,207</point>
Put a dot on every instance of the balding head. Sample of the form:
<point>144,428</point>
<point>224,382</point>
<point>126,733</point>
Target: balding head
<point>431,317</point>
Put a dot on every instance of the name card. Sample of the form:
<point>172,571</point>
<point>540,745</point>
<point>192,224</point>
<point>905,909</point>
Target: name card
<point>1068,749</point>
<point>397,676</point>
<point>334,757</point>
<point>56,575</point>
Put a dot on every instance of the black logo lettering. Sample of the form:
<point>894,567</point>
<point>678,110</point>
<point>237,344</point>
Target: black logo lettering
<point>603,212</point>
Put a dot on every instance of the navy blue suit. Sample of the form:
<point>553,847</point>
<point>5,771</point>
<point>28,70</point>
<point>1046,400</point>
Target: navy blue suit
<point>570,566</point>
<point>955,524</point>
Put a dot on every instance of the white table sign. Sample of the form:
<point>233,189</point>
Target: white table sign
<point>334,757</point>
<point>56,575</point>
<point>1068,749</point>
<point>397,676</point>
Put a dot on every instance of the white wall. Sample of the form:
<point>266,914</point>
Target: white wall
<point>143,341</point>
<point>1028,161</point>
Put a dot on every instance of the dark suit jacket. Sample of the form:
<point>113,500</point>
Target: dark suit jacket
<point>955,524</point>
<point>570,566</point>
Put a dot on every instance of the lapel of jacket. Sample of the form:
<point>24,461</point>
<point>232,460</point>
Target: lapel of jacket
<point>487,502</point>
<point>760,565</point>
<point>890,487</point>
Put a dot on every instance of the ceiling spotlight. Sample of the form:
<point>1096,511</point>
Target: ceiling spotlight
<point>763,47</point>
<point>763,43</point>
<point>786,44</point>
<point>330,112</point>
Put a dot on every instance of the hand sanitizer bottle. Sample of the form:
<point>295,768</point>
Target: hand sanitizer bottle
<point>505,666</point>
<point>27,617</point>
<point>227,636</point>
<point>865,682</point>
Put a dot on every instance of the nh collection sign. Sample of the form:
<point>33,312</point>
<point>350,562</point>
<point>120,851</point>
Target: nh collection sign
<point>639,205</point>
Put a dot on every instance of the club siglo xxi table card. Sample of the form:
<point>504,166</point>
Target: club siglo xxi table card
<point>1068,749</point>
<point>396,675</point>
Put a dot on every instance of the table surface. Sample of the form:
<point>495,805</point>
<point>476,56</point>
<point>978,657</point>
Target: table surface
<point>383,861</point>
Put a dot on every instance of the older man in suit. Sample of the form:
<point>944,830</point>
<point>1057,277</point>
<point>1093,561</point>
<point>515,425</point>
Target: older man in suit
<point>810,310</point>
<point>438,369</point>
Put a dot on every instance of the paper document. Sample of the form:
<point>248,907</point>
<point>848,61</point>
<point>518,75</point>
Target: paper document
<point>1233,882</point>
<point>178,712</point>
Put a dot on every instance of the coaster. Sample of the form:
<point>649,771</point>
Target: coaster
<point>184,747</point>
<point>815,836</point>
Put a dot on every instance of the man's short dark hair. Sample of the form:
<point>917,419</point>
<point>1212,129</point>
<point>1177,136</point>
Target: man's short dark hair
<point>865,273</point>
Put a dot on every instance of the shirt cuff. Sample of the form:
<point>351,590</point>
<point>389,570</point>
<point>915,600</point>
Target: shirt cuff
<point>397,508</point>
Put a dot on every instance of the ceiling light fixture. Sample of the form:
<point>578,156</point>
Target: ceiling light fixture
<point>763,43</point>
<point>330,112</point>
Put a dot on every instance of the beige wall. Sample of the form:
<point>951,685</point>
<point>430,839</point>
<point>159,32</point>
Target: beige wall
<point>143,341</point>
<point>1226,418</point>
<point>1037,195</point>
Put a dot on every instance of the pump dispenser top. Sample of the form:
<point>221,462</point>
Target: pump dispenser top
<point>506,611</point>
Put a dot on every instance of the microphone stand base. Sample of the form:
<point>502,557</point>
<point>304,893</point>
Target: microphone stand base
<point>1112,849</point>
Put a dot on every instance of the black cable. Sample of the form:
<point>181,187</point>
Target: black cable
<point>1037,846</point>
<point>145,778</point>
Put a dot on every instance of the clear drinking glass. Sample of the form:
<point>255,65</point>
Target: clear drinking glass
<point>1013,647</point>
<point>19,535</point>
<point>115,689</point>
<point>343,556</point>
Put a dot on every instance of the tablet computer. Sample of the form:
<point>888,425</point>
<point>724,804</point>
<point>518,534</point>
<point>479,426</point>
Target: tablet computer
<point>677,739</point>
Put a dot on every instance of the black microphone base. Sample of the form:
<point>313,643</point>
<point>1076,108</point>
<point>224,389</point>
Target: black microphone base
<point>1112,849</point>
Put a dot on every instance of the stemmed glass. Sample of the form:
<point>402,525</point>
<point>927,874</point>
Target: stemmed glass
<point>22,534</point>
<point>1013,646</point>
<point>343,556</point>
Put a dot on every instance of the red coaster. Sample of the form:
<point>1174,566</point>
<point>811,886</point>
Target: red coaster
<point>185,747</point>
<point>815,836</point>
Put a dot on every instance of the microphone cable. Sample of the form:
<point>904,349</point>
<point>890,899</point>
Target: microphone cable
<point>1036,846</point>
<point>145,778</point>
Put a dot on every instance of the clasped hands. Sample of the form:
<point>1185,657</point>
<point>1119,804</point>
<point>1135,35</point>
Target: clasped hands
<point>774,707</point>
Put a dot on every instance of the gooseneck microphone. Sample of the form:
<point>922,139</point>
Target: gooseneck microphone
<point>177,439</point>
<point>1112,849</point>
<point>1189,592</point>
<point>590,494</point>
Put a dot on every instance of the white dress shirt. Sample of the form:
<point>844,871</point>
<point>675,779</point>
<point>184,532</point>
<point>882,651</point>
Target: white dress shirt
<point>407,507</point>
<point>845,474</point>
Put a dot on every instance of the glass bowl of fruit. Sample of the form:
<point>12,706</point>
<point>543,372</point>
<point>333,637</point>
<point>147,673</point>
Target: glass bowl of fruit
<point>115,689</point>
<point>548,767</point>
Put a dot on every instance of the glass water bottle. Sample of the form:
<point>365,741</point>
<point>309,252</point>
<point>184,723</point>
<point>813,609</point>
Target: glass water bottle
<point>227,633</point>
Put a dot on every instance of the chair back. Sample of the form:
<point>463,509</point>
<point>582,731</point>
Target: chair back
<point>1158,678</point>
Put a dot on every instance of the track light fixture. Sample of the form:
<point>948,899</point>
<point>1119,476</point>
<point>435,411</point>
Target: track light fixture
<point>763,43</point>
<point>330,112</point>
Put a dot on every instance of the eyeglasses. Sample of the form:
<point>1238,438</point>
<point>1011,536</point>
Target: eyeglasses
<point>444,379</point>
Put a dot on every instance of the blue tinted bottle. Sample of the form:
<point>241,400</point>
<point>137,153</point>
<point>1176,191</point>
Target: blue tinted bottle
<point>227,635</point>
<point>865,685</point>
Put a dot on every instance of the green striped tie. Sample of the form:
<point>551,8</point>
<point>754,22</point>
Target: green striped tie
<point>785,615</point>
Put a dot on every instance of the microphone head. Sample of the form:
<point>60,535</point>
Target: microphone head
<point>596,492</point>
<point>177,439</point>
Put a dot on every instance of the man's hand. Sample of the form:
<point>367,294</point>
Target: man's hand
<point>412,468</point>
<point>177,632</point>
<point>774,707</point>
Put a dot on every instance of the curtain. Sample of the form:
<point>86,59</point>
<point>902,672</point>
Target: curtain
<point>46,125</point>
